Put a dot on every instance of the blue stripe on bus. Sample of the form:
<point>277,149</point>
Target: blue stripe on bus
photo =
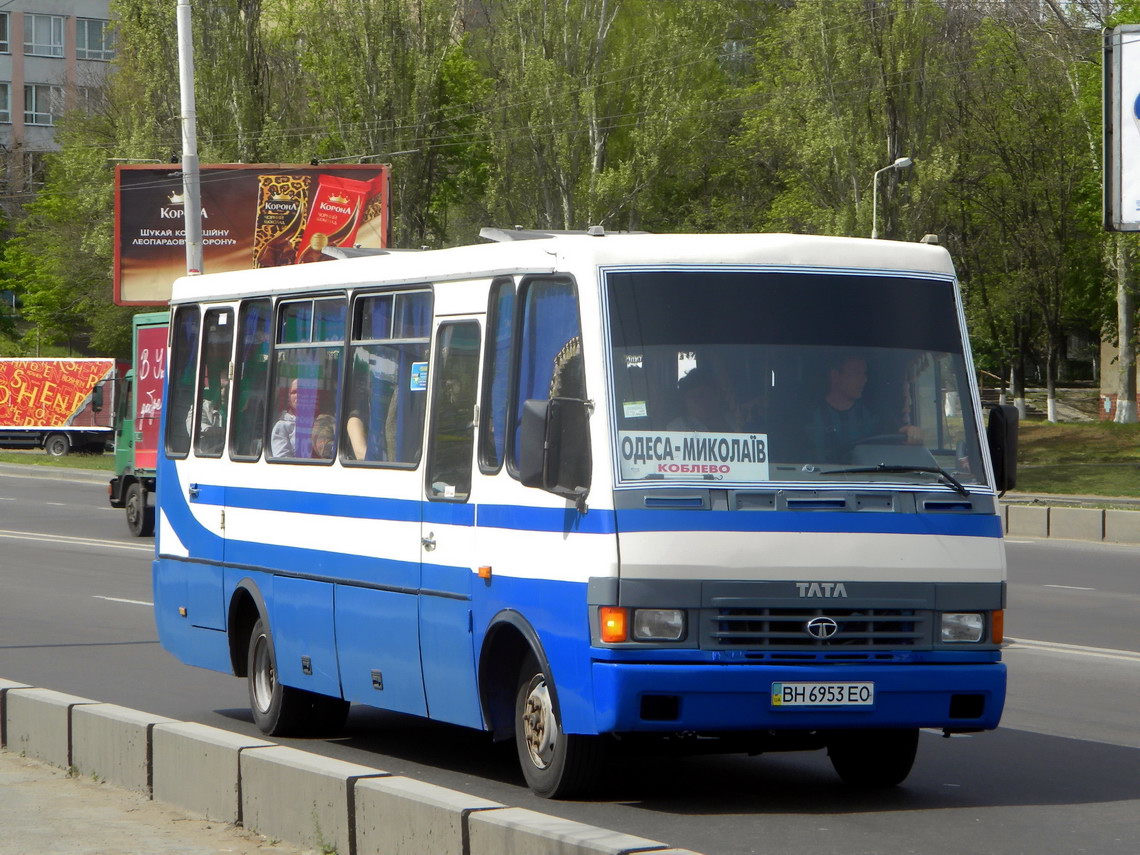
<point>963,525</point>
<point>566,520</point>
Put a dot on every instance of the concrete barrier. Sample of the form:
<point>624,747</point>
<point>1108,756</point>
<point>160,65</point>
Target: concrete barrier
<point>402,816</point>
<point>1122,526</point>
<point>197,768</point>
<point>39,723</point>
<point>114,744</point>
<point>1028,520</point>
<point>300,797</point>
<point>517,831</point>
<point>5,685</point>
<point>1076,523</point>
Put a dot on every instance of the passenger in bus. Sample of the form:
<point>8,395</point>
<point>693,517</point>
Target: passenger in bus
<point>706,406</point>
<point>323,437</point>
<point>842,419</point>
<point>283,440</point>
<point>357,433</point>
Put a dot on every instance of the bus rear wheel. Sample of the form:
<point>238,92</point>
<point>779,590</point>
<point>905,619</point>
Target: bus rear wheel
<point>873,758</point>
<point>556,764</point>
<point>280,710</point>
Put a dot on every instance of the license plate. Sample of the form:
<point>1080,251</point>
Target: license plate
<point>823,694</point>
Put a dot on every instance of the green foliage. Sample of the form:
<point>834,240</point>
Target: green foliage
<point>665,115</point>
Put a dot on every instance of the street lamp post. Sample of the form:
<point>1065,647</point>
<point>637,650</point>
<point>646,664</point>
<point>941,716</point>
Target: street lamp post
<point>900,163</point>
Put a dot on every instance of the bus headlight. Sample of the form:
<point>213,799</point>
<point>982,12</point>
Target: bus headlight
<point>963,626</point>
<point>658,624</point>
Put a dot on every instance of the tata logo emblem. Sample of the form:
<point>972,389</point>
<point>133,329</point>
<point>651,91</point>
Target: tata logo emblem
<point>821,589</point>
<point>821,628</point>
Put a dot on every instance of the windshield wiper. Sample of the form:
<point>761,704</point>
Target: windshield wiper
<point>946,477</point>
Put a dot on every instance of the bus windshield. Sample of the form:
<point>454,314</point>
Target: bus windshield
<point>759,377</point>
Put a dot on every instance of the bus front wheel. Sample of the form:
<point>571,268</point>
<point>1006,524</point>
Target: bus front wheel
<point>280,710</point>
<point>873,758</point>
<point>556,764</point>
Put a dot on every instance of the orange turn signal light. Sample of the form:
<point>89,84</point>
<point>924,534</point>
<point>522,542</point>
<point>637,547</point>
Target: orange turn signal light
<point>614,622</point>
<point>997,626</point>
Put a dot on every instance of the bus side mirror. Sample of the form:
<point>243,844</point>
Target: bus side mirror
<point>1001,433</point>
<point>554,447</point>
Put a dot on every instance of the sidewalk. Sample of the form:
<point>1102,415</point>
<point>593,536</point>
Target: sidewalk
<point>45,812</point>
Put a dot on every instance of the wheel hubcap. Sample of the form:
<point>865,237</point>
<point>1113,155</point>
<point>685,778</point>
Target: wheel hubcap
<point>540,729</point>
<point>263,677</point>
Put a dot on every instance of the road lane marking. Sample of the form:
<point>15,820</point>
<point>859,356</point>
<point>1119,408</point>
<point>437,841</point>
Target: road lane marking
<point>1073,649</point>
<point>1007,540</point>
<point>1069,587</point>
<point>121,600</point>
<point>75,541</point>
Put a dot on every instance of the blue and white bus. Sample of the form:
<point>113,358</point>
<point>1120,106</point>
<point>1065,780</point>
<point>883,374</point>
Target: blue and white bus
<point>579,490</point>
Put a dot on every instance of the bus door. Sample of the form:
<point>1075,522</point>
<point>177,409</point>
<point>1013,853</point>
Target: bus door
<point>384,413</point>
<point>207,427</point>
<point>448,527</point>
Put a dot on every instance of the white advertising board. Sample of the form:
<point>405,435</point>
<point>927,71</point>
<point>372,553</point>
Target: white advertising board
<point>1122,128</point>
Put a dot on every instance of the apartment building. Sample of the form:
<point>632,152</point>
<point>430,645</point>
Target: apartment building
<point>54,56</point>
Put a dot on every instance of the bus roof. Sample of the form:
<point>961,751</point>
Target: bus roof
<point>566,252</point>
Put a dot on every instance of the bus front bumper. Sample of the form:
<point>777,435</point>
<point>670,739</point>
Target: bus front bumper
<point>633,697</point>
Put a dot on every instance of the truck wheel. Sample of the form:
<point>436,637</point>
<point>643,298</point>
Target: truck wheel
<point>140,513</point>
<point>280,710</point>
<point>556,765</point>
<point>57,445</point>
<point>873,758</point>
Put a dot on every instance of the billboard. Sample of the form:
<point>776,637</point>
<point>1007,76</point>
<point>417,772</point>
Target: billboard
<point>253,215</point>
<point>1121,96</point>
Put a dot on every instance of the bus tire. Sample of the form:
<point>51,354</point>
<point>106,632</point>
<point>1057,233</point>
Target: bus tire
<point>873,758</point>
<point>280,710</point>
<point>140,513</point>
<point>57,445</point>
<point>556,765</point>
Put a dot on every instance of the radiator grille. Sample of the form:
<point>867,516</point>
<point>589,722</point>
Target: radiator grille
<point>786,629</point>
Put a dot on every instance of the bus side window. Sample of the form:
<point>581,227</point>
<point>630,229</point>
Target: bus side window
<point>496,376</point>
<point>387,387</point>
<point>183,362</point>
<point>310,342</point>
<point>549,357</point>
<point>455,377</point>
<point>251,374</point>
<point>214,383</point>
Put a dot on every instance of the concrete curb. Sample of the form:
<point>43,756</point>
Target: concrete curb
<point>1098,525</point>
<point>281,792</point>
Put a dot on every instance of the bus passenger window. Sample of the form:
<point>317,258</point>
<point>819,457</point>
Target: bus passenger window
<point>183,362</point>
<point>251,374</point>
<point>550,348</point>
<point>310,341</point>
<point>453,411</point>
<point>385,400</point>
<point>214,383</point>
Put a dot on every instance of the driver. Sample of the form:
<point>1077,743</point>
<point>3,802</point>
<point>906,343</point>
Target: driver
<point>841,419</point>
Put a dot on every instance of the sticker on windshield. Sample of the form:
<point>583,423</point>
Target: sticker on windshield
<point>635,409</point>
<point>690,455</point>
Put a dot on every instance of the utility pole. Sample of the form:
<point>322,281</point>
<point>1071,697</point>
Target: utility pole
<point>191,190</point>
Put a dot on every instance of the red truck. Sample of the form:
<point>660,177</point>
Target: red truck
<point>59,405</point>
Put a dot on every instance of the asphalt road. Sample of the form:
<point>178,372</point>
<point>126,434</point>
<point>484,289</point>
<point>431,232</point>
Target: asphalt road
<point>1062,775</point>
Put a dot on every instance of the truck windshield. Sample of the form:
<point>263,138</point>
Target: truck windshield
<point>750,377</point>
